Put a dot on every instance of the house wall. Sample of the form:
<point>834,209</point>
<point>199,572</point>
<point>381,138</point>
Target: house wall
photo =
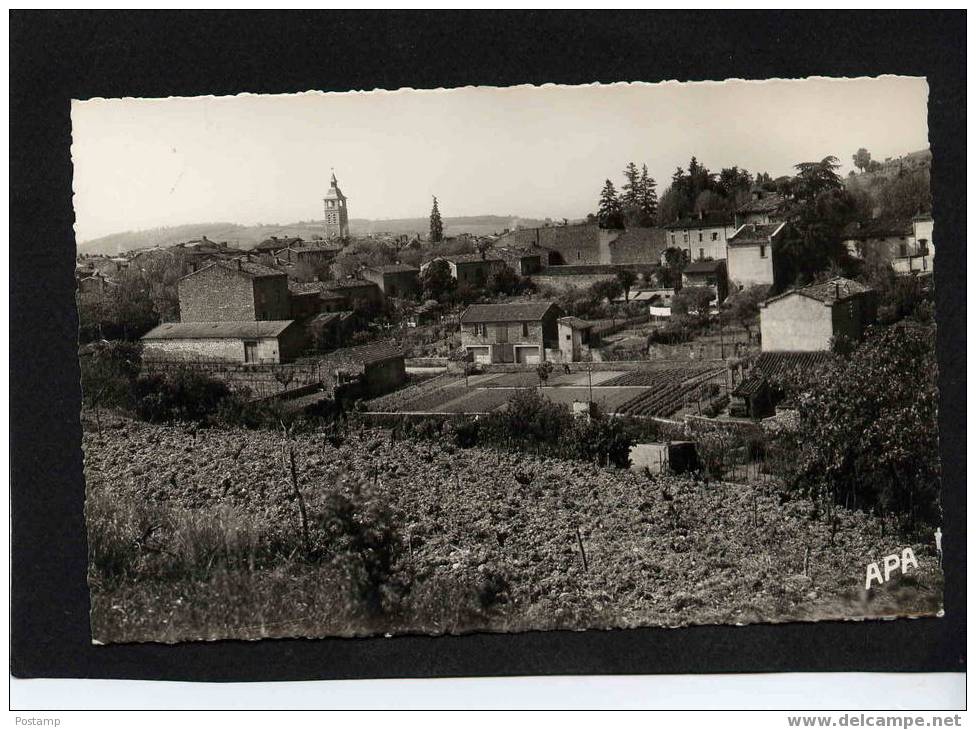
<point>218,294</point>
<point>225,349</point>
<point>577,244</point>
<point>382,377</point>
<point>746,267</point>
<point>796,323</point>
<point>475,273</point>
<point>398,284</point>
<point>698,242</point>
<point>570,342</point>
<point>503,337</point>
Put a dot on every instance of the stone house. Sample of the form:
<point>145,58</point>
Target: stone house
<point>234,291</point>
<point>638,245</point>
<point>274,244</point>
<point>394,280</point>
<point>701,236</point>
<point>95,283</point>
<point>314,255</point>
<point>471,269</point>
<point>523,261</point>
<point>521,332</point>
<point>751,252</point>
<point>809,318</point>
<point>574,338</point>
<point>763,207</point>
<point>379,367</point>
<point>359,293</point>
<point>711,274</point>
<point>250,342</point>
<point>906,244</point>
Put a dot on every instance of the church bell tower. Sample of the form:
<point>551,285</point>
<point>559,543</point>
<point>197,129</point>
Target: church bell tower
<point>336,212</point>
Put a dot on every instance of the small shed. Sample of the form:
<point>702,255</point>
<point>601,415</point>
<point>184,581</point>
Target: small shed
<point>752,398</point>
<point>574,338</point>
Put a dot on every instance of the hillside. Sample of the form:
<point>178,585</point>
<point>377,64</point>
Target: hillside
<point>249,236</point>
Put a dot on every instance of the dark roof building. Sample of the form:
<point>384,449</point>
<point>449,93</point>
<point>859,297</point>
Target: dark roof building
<point>514,312</point>
<point>255,342</point>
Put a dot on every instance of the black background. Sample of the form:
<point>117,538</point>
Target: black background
<point>57,56</point>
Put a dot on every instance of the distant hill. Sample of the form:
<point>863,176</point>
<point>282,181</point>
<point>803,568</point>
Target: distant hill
<point>890,168</point>
<point>250,236</point>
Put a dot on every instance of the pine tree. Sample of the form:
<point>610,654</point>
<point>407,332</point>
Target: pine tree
<point>436,225</point>
<point>610,214</point>
<point>647,199</point>
<point>631,188</point>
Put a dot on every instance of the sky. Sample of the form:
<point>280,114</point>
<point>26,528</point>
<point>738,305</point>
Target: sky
<point>520,151</point>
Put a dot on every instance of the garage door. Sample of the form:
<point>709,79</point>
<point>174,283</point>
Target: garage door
<point>480,354</point>
<point>529,355</point>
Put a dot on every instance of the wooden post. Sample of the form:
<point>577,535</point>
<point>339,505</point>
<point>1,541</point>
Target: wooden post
<point>579,539</point>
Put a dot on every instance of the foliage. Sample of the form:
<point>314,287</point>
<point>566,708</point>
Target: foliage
<point>868,431</point>
<point>862,159</point>
<point>436,224</point>
<point>814,241</point>
<point>605,441</point>
<point>181,395</point>
<point>610,213</point>
<point>744,305</point>
<point>693,300</point>
<point>108,373</point>
<point>626,279</point>
<point>124,310</point>
<point>605,290</point>
<point>676,260</point>
<point>506,282</point>
<point>437,282</point>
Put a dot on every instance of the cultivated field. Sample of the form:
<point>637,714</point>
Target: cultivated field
<point>197,535</point>
<point>649,392</point>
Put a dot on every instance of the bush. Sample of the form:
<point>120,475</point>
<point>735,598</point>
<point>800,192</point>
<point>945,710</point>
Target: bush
<point>605,441</point>
<point>184,395</point>
<point>868,430</point>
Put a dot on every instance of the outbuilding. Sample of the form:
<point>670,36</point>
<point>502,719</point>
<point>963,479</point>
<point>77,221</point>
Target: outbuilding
<point>263,342</point>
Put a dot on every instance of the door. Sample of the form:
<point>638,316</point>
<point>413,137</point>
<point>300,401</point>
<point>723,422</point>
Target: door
<point>250,352</point>
<point>527,354</point>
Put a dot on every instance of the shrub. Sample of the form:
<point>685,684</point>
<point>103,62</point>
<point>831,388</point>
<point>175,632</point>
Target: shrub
<point>184,395</point>
<point>465,433</point>
<point>602,440</point>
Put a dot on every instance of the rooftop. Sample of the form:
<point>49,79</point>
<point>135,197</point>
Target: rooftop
<point>767,203</point>
<point>575,322</point>
<point>704,267</point>
<point>711,219</point>
<point>515,312</point>
<point>217,330</point>
<point>367,354</point>
<point>348,284</point>
<point>242,265</point>
<point>833,290</point>
<point>467,258</point>
<point>754,233</point>
<point>394,269</point>
<point>879,228</point>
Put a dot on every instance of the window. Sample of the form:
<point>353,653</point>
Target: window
<point>923,247</point>
<point>688,252</point>
<point>700,239</point>
<point>525,329</point>
<point>474,329</point>
<point>902,249</point>
<point>672,238</point>
<point>484,330</point>
<point>701,253</point>
<point>578,256</point>
<point>250,351</point>
<point>714,235</point>
<point>762,250</point>
<point>569,337</point>
<point>686,237</point>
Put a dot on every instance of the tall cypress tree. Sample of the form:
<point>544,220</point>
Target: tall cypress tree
<point>610,214</point>
<point>436,225</point>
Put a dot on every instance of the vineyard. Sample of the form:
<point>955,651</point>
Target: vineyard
<point>655,392</point>
<point>198,537</point>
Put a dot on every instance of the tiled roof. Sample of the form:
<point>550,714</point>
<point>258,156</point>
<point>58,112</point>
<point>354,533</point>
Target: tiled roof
<point>216,330</point>
<point>705,267</point>
<point>712,219</point>
<point>768,203</point>
<point>349,284</point>
<point>366,354</point>
<point>833,290</point>
<point>879,228</point>
<point>575,322</point>
<point>317,247</point>
<point>516,312</point>
<point>273,243</point>
<point>753,233</point>
<point>775,364</point>
<point>469,258</point>
<point>749,386</point>
<point>517,254</point>
<point>394,269</point>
